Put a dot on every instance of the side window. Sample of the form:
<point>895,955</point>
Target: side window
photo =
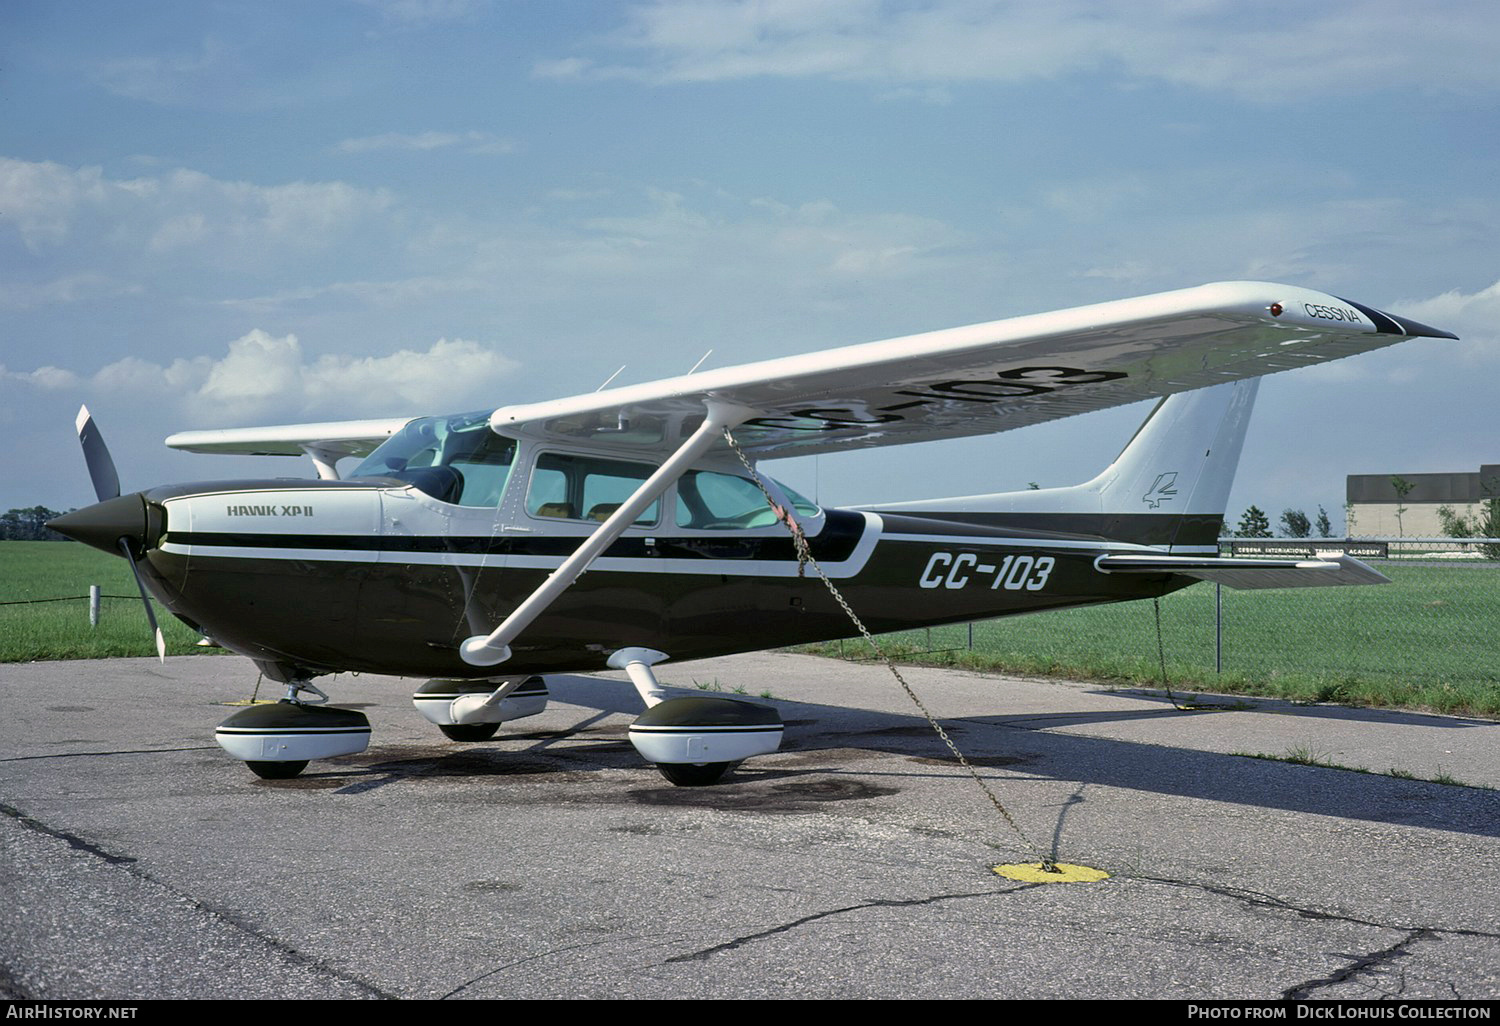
<point>707,501</point>
<point>482,460</point>
<point>573,487</point>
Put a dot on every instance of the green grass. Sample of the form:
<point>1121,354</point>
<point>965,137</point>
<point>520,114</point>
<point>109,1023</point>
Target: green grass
<point>60,630</point>
<point>1429,640</point>
<point>1302,756</point>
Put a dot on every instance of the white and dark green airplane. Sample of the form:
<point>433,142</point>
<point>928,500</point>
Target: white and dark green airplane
<point>456,550</point>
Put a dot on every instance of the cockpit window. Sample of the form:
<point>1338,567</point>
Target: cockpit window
<point>453,459</point>
<point>707,501</point>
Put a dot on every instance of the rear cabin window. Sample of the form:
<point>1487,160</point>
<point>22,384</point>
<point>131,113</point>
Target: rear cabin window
<point>572,487</point>
<point>707,501</point>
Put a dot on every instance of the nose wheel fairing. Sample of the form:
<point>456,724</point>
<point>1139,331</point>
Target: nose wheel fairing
<point>290,732</point>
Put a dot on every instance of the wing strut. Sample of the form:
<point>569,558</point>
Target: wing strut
<point>325,459</point>
<point>494,648</point>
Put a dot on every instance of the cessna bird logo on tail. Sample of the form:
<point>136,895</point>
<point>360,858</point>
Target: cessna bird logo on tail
<point>456,549</point>
<point>1161,489</point>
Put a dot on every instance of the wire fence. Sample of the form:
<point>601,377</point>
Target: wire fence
<point>1435,628</point>
<point>64,598</point>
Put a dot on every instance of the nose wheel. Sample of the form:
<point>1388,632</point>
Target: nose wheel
<point>689,774</point>
<point>277,740</point>
<point>469,731</point>
<point>277,770</point>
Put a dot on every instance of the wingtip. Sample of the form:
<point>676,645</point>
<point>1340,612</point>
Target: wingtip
<point>1391,324</point>
<point>1419,330</point>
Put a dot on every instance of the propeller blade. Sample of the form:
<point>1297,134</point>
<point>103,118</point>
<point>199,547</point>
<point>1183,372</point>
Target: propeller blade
<point>96,455</point>
<point>161,642</point>
<point>116,519</point>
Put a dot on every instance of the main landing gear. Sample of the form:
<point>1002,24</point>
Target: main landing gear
<point>693,740</point>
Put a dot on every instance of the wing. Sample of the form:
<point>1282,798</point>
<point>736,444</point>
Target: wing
<point>326,443</point>
<point>983,378</point>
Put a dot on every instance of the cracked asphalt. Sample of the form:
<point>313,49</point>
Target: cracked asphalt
<point>137,860</point>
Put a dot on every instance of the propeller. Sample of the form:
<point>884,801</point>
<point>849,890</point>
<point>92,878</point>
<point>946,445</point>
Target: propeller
<point>115,521</point>
<point>96,455</point>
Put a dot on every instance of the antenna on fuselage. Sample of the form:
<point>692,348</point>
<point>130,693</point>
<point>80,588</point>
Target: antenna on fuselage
<point>612,377</point>
<point>705,356</point>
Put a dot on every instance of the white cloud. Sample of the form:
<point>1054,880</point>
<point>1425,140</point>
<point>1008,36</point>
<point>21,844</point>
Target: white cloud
<point>170,79</point>
<point>382,294</point>
<point>263,376</point>
<point>71,289</point>
<point>40,199</point>
<point>49,203</point>
<point>417,13</point>
<point>1266,51</point>
<point>302,213</point>
<point>563,68</point>
<point>48,379</point>
<point>464,142</point>
<point>1474,317</point>
<point>822,241</point>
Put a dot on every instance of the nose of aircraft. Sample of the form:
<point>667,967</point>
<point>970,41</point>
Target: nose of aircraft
<point>103,524</point>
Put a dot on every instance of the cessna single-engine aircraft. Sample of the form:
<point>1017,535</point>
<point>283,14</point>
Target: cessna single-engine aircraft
<point>456,549</point>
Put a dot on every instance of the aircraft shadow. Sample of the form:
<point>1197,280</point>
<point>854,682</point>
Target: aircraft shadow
<point>1210,701</point>
<point>992,742</point>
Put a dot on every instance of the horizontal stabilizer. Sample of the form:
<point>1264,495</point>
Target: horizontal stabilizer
<point>325,443</point>
<point>344,438</point>
<point>1250,573</point>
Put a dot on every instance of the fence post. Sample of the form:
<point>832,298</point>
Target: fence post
<point>93,605</point>
<point>1218,627</point>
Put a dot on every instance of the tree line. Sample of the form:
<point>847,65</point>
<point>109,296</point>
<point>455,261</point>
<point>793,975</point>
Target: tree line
<point>29,524</point>
<point>1294,524</point>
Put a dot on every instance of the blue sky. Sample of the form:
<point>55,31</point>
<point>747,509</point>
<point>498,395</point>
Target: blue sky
<point>234,213</point>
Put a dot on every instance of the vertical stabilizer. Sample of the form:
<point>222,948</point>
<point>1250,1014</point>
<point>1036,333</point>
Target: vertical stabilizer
<point>1183,458</point>
<point>1167,488</point>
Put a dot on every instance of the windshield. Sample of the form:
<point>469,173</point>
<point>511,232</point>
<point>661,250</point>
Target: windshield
<point>454,459</point>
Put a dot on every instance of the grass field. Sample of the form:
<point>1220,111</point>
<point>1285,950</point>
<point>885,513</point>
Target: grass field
<point>60,630</point>
<point>1431,639</point>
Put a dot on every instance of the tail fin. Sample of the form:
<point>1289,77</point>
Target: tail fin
<point>1183,458</point>
<point>1168,487</point>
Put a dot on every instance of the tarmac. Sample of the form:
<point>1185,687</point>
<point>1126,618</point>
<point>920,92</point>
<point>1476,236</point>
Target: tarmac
<point>137,860</point>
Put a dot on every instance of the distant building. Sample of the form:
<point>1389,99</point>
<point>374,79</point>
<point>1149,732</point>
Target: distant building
<point>1373,501</point>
